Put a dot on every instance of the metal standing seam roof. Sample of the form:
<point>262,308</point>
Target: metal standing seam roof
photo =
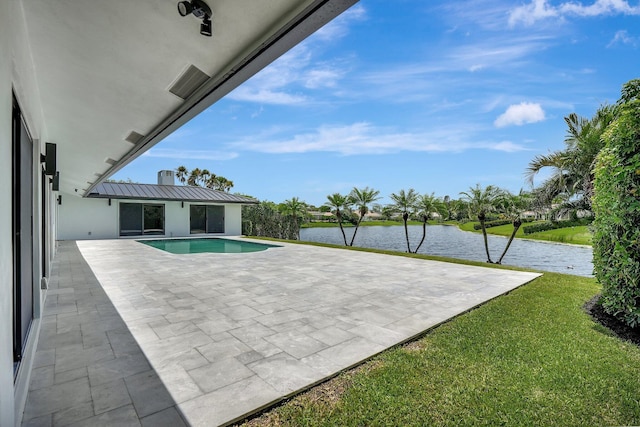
<point>187,193</point>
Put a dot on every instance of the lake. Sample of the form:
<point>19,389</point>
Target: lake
<point>450,241</point>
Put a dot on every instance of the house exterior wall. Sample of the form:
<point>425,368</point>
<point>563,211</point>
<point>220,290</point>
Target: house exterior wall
<point>86,218</point>
<point>80,219</point>
<point>6,262</point>
<point>17,75</point>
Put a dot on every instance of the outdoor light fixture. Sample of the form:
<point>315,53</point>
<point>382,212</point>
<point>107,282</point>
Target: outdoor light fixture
<point>200,10</point>
<point>205,27</point>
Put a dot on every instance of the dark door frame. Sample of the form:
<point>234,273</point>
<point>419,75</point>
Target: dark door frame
<point>22,228</point>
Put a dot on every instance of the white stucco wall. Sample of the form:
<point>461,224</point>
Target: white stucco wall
<point>233,220</point>
<point>80,218</point>
<point>17,74</point>
<point>6,260</point>
<point>86,218</point>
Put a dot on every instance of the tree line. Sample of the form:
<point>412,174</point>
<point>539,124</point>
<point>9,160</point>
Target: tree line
<point>203,178</point>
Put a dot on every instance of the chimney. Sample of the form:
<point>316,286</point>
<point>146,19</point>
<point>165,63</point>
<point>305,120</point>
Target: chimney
<point>165,178</point>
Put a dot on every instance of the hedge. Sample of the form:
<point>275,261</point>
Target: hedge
<point>498,222</point>
<point>553,225</point>
<point>616,204</point>
<point>490,224</point>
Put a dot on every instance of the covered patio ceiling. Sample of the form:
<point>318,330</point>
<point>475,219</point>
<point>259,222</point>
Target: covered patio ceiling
<point>111,73</point>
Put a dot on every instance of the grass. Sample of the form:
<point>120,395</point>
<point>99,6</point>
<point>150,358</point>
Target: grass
<point>574,235</point>
<point>531,357</point>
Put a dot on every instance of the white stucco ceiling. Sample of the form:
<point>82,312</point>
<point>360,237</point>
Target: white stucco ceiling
<point>103,68</point>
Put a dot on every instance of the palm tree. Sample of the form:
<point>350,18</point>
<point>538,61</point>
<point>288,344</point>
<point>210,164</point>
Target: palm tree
<point>572,168</point>
<point>426,204</point>
<point>337,201</point>
<point>513,206</point>
<point>457,209</point>
<point>205,175</point>
<point>181,174</point>
<point>362,198</point>
<point>219,183</point>
<point>296,209</point>
<point>194,177</point>
<point>480,202</point>
<point>224,184</point>
<point>405,202</point>
<point>387,212</point>
<point>447,204</point>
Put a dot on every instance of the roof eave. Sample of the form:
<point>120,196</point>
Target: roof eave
<point>300,27</point>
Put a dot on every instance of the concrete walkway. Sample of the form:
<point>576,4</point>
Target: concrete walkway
<point>136,336</point>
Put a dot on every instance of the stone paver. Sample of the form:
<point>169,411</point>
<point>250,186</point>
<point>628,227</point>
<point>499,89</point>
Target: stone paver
<point>132,335</point>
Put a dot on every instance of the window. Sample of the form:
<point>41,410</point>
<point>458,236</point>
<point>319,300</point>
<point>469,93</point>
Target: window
<point>137,219</point>
<point>207,219</point>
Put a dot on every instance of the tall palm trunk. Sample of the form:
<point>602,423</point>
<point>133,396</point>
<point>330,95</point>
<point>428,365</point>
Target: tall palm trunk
<point>481,218</point>
<point>424,232</point>
<point>356,230</point>
<point>344,236</point>
<point>516,225</point>
<point>297,229</point>
<point>405,217</point>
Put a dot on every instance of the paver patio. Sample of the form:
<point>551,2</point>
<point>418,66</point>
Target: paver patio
<point>133,335</point>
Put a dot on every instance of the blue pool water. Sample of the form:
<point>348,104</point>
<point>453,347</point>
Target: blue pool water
<point>215,245</point>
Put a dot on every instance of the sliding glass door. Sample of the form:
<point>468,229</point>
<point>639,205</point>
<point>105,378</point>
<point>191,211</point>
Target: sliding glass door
<point>22,226</point>
<point>207,219</point>
<point>138,219</point>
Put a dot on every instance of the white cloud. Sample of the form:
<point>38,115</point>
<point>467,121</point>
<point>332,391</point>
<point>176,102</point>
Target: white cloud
<point>528,14</point>
<point>623,37</point>
<point>285,80</point>
<point>520,114</point>
<point>321,77</point>
<point>190,154</point>
<point>266,96</point>
<point>506,146</point>
<point>600,7</point>
<point>339,27</point>
<point>538,10</point>
<point>364,138</point>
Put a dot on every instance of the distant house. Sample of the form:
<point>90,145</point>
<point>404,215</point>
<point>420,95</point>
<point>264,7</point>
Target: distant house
<point>321,216</point>
<point>119,210</point>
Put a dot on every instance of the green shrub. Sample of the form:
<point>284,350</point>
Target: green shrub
<point>616,204</point>
<point>490,224</point>
<point>264,220</point>
<point>554,225</point>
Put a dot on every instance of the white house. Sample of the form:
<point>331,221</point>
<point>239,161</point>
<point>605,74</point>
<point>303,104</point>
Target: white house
<point>87,87</point>
<point>116,210</point>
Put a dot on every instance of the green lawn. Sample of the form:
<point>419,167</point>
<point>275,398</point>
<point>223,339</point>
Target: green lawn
<point>532,357</point>
<point>575,235</point>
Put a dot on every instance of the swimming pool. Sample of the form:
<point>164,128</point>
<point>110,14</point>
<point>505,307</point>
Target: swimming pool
<point>211,245</point>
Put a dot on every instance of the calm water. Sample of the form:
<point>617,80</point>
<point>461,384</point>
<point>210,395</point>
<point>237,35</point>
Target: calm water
<point>214,245</point>
<point>452,242</point>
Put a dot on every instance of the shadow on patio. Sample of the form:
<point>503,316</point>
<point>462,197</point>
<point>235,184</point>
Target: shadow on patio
<point>88,369</point>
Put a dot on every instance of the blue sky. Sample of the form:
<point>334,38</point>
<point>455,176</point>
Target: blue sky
<point>431,95</point>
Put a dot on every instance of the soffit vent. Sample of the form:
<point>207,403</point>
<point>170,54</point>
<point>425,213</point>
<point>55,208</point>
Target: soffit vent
<point>134,137</point>
<point>188,82</point>
<point>110,161</point>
